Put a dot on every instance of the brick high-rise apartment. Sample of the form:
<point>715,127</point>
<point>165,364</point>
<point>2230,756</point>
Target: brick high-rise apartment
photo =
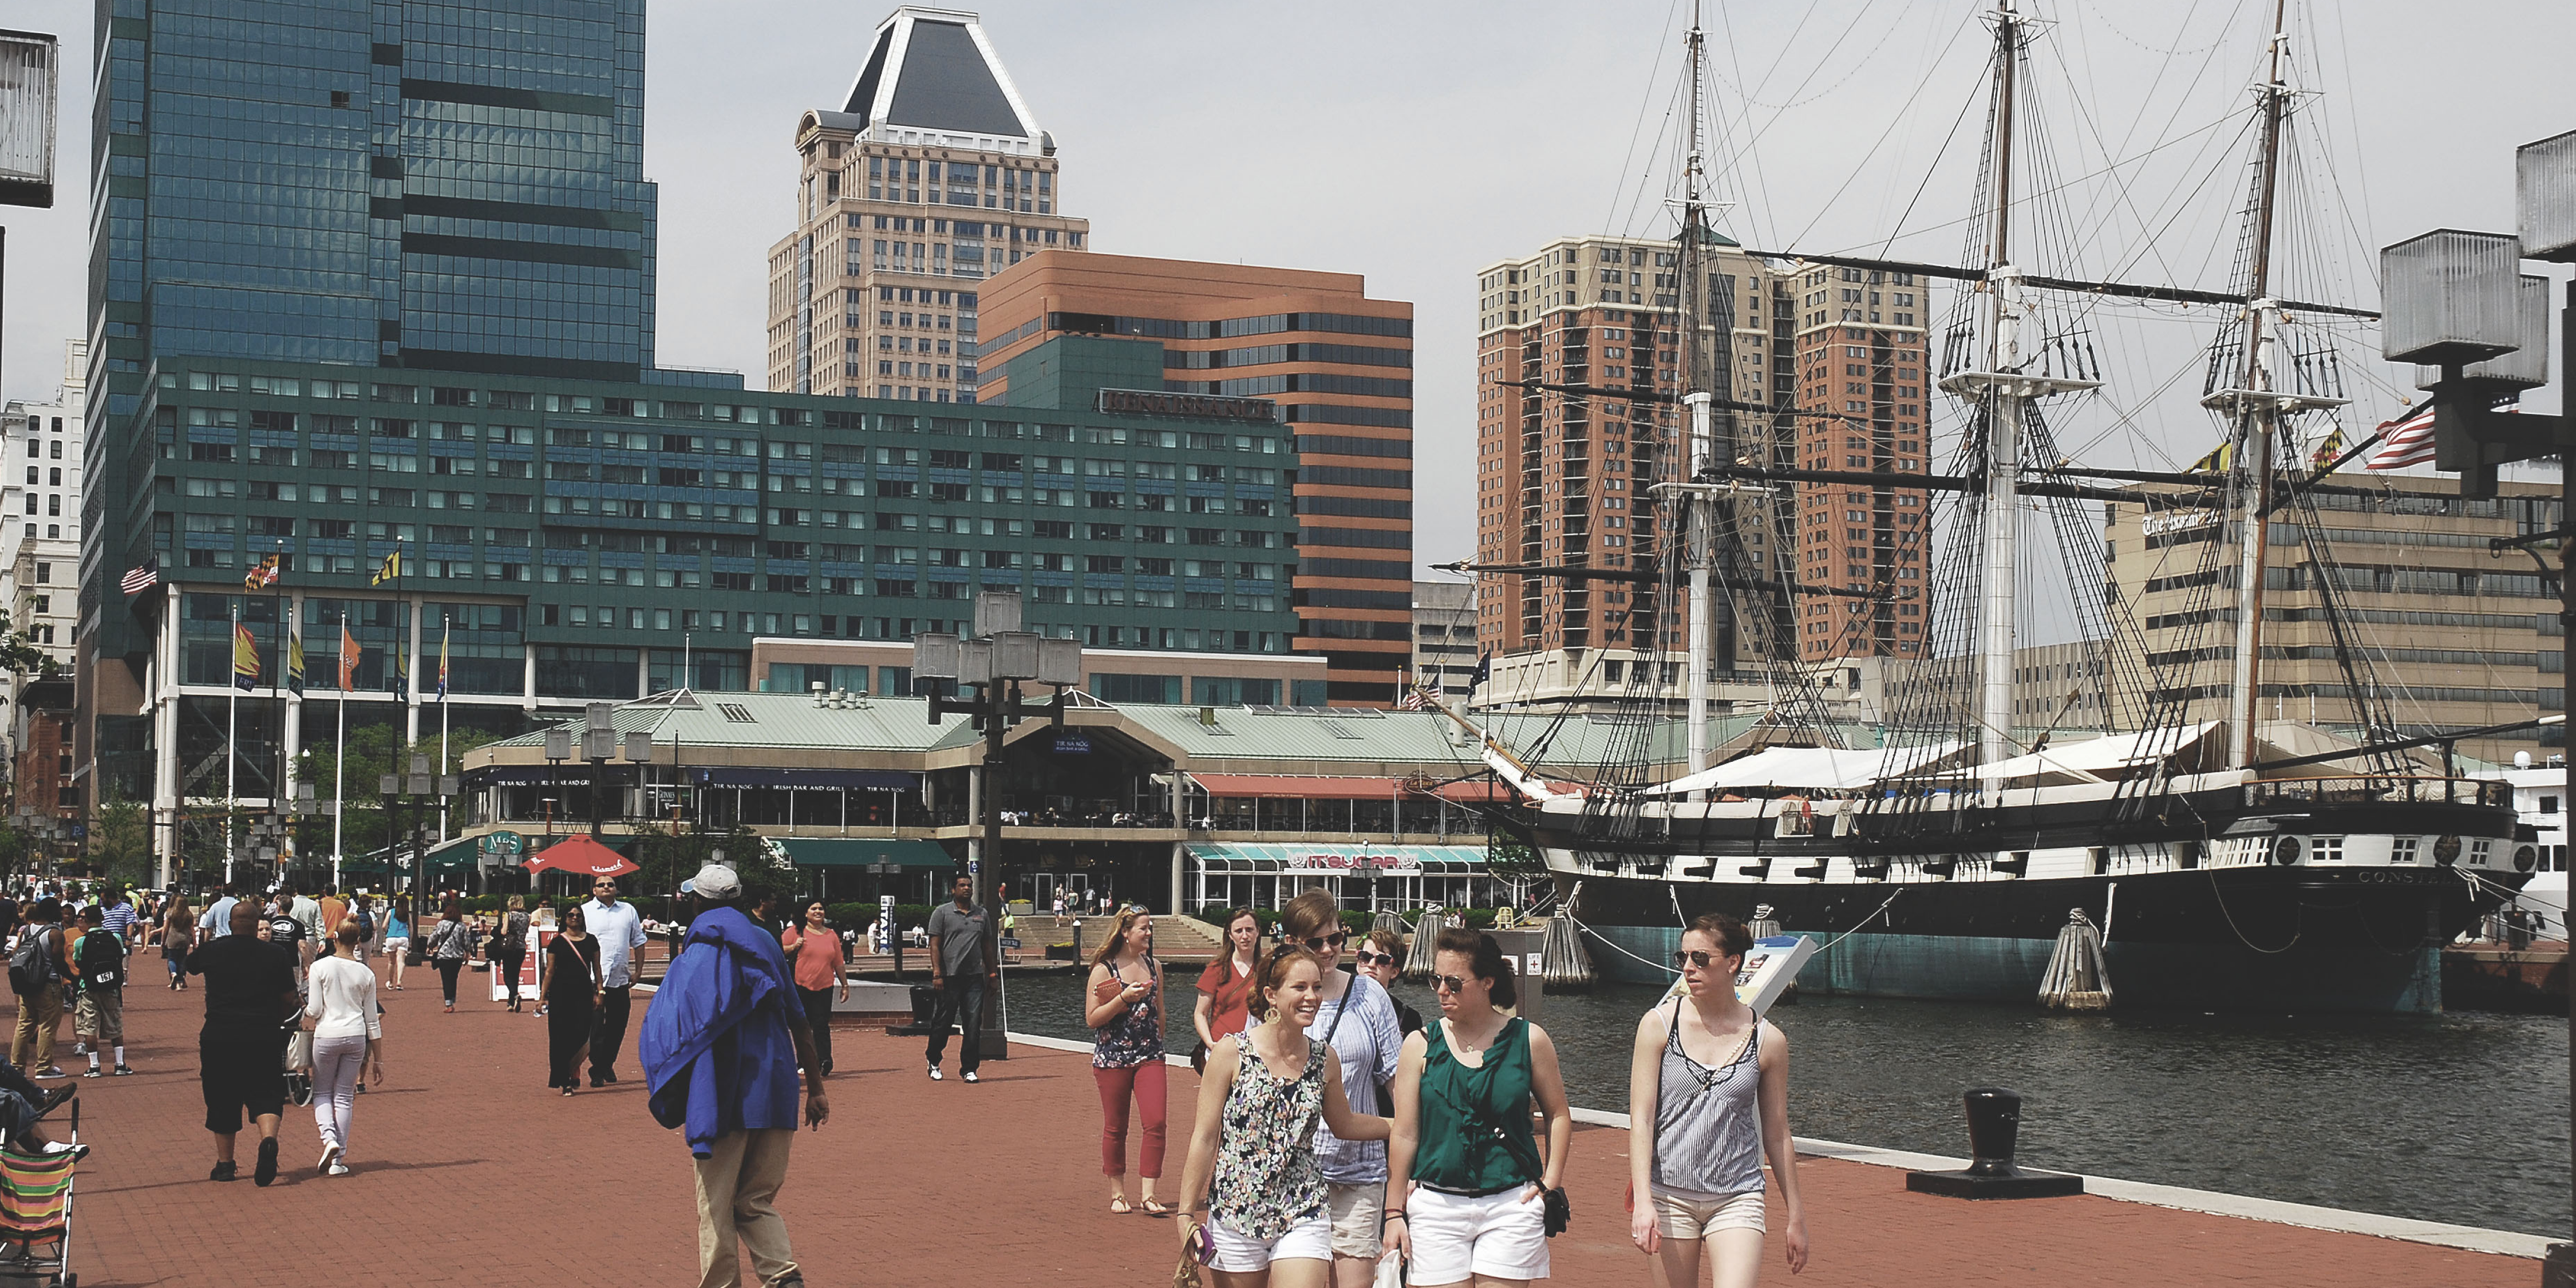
<point>1340,365</point>
<point>1562,479</point>
<point>932,176</point>
<point>1860,356</point>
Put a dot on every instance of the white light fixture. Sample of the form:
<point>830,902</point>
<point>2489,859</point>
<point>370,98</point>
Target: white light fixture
<point>2524,368</point>
<point>30,77</point>
<point>2451,298</point>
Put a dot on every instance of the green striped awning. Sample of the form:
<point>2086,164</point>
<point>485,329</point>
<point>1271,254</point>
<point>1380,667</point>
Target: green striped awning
<point>859,852</point>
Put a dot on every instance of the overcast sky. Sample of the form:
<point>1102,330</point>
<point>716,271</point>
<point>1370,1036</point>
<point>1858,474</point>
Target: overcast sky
<point>1415,143</point>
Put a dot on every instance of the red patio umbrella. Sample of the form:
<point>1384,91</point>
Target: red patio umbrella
<point>579,853</point>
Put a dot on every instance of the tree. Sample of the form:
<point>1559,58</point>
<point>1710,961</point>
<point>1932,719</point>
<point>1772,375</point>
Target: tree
<point>120,842</point>
<point>669,857</point>
<point>374,751</point>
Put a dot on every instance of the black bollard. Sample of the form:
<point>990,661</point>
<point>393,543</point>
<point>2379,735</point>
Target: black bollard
<point>1994,1124</point>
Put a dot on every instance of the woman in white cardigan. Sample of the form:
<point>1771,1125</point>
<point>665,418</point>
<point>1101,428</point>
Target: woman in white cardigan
<point>348,1032</point>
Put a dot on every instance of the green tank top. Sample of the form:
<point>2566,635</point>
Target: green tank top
<point>1466,1112</point>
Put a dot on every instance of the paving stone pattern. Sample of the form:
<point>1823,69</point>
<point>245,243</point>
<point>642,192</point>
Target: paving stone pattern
<point>466,1169</point>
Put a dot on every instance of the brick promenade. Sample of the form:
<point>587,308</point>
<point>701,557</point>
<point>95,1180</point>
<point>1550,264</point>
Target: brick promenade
<point>467,1170</point>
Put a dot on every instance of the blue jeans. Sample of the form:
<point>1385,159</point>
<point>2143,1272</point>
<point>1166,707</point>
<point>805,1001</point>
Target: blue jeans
<point>961,999</point>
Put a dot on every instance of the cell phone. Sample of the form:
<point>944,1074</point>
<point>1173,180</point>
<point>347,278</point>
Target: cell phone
<point>1202,1245</point>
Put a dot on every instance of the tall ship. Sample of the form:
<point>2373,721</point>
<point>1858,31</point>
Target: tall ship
<point>2226,860</point>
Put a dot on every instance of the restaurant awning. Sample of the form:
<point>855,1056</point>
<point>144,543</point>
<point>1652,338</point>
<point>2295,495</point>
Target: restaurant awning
<point>1306,788</point>
<point>1352,860</point>
<point>860,852</point>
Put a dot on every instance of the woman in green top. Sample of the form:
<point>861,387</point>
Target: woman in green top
<point>1475,1210</point>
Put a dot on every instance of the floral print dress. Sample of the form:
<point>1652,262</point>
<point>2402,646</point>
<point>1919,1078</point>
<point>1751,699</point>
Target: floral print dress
<point>1136,1036</point>
<point>1266,1178</point>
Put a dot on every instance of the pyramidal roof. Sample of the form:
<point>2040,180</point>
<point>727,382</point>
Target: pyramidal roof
<point>934,69</point>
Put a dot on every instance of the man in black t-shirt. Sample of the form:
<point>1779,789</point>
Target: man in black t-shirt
<point>250,990</point>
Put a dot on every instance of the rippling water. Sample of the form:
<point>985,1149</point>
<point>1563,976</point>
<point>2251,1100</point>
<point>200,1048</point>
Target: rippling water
<point>2459,1117</point>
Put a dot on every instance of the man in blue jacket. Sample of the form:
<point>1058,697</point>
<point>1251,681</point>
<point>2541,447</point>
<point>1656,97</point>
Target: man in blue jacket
<point>722,1043</point>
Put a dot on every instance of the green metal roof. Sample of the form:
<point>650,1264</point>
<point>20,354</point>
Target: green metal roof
<point>859,852</point>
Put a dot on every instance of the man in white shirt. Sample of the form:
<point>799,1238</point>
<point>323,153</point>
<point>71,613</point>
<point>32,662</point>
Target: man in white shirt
<point>620,932</point>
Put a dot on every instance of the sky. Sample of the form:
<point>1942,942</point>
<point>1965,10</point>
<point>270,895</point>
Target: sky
<point>1417,143</point>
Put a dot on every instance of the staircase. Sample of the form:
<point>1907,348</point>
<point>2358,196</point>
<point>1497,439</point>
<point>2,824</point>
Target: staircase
<point>1177,939</point>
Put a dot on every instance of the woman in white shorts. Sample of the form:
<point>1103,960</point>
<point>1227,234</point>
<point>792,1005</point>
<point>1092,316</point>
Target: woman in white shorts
<point>1251,1178</point>
<point>1708,1096</point>
<point>1476,1208</point>
<point>1358,1021</point>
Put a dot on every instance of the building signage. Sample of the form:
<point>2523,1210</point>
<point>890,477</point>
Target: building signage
<point>2176,521</point>
<point>1140,402</point>
<point>1363,861</point>
<point>1072,744</point>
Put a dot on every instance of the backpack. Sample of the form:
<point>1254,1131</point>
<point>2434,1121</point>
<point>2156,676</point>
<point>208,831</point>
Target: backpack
<point>366,926</point>
<point>31,964</point>
<point>101,958</point>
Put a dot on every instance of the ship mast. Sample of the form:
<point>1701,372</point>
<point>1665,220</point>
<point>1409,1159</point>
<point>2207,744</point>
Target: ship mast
<point>1700,531</point>
<point>1999,394</point>
<point>2258,408</point>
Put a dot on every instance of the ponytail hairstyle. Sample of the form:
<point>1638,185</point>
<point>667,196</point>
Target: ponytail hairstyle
<point>1273,971</point>
<point>1731,936</point>
<point>1485,961</point>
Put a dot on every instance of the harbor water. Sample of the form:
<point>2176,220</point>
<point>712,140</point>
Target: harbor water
<point>2459,1117</point>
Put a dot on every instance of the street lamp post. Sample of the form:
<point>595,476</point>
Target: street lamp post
<point>419,791</point>
<point>993,664</point>
<point>2458,303</point>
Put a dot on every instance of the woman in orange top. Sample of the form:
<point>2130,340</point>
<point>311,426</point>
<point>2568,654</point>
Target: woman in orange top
<point>1225,987</point>
<point>815,951</point>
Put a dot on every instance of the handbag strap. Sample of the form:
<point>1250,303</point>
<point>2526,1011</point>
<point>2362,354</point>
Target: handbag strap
<point>1525,1155</point>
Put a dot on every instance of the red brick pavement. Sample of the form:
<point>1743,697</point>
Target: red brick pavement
<point>467,1169</point>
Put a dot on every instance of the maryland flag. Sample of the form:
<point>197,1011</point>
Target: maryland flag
<point>392,568</point>
<point>2327,451</point>
<point>442,661</point>
<point>295,661</point>
<point>2217,462</point>
<point>348,658</point>
<point>262,574</point>
<point>245,658</point>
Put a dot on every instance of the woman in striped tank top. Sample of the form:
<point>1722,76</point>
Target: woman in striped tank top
<point>1708,1089</point>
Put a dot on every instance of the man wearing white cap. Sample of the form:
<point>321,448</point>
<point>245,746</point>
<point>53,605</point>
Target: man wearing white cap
<point>731,988</point>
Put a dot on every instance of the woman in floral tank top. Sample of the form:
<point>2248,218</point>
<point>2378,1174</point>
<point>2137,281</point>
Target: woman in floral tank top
<point>1251,1176</point>
<point>1126,1019</point>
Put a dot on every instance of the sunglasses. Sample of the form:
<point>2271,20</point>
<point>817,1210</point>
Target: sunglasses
<point>1695,958</point>
<point>1367,958</point>
<point>1448,984</point>
<point>1327,941</point>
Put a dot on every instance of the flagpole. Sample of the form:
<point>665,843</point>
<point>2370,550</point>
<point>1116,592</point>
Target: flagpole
<point>277,691</point>
<point>340,761</point>
<point>232,712</point>
<point>442,722</point>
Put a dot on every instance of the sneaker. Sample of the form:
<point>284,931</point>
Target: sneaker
<point>935,1074</point>
<point>330,1159</point>
<point>336,1169</point>
<point>93,1072</point>
<point>51,1071</point>
<point>267,1169</point>
<point>56,1147</point>
<point>122,1070</point>
<point>969,1075</point>
<point>224,1171</point>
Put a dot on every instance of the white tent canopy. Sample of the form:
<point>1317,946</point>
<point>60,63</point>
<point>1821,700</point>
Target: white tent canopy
<point>1809,769</point>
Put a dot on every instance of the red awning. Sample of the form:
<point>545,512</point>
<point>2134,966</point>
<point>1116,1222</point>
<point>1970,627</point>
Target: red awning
<point>1480,791</point>
<point>1284,785</point>
<point>579,853</point>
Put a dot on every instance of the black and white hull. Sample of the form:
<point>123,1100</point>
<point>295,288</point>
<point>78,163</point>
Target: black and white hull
<point>2222,893</point>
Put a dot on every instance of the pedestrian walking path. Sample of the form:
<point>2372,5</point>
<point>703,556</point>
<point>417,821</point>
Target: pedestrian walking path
<point>466,1168</point>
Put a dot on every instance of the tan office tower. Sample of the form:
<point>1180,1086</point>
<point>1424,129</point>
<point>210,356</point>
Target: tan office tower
<point>1562,478</point>
<point>932,176</point>
<point>2451,635</point>
<point>1340,366</point>
<point>1860,360</point>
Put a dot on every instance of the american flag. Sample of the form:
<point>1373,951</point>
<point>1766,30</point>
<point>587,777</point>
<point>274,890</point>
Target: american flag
<point>1422,694</point>
<point>138,580</point>
<point>2407,440</point>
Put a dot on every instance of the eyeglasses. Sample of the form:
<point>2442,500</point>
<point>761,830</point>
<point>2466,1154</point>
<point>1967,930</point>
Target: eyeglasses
<point>1693,958</point>
<point>1367,958</point>
<point>1448,984</point>
<point>1328,941</point>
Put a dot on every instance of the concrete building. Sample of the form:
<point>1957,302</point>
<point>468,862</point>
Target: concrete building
<point>2454,636</point>
<point>1340,366</point>
<point>1444,635</point>
<point>932,175</point>
<point>40,509</point>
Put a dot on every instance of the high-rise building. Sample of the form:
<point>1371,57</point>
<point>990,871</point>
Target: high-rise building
<point>1340,366</point>
<point>1562,477</point>
<point>1444,636</point>
<point>2452,637</point>
<point>932,175</point>
<point>1862,381</point>
<point>376,300</point>
<point>40,508</point>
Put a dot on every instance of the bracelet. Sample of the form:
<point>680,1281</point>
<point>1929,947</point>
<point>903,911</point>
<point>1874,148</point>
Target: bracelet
<point>1395,1216</point>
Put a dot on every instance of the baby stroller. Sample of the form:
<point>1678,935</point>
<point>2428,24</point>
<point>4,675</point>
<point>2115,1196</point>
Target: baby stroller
<point>36,1213</point>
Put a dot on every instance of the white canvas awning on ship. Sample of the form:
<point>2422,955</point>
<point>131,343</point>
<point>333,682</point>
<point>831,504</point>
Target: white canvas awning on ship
<point>1817,769</point>
<point>2094,760</point>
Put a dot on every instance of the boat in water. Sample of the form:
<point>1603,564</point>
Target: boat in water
<point>2228,862</point>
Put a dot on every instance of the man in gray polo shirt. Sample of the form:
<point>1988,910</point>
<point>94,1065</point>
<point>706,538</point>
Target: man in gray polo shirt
<point>960,971</point>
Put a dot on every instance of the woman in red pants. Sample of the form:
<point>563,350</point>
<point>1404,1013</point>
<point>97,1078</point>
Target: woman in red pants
<point>1126,1014</point>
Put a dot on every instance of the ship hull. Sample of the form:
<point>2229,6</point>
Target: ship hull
<point>2207,916</point>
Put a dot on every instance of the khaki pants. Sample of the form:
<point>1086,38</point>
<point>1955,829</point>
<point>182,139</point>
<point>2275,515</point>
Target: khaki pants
<point>38,1017</point>
<point>737,1184</point>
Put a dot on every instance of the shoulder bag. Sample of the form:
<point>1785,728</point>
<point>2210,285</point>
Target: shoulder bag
<point>1560,1210</point>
